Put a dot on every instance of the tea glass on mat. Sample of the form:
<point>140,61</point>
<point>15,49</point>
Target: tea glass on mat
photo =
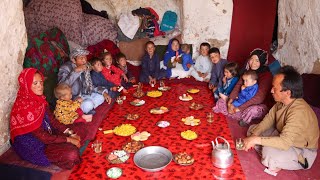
<point>97,146</point>
<point>239,144</point>
<point>210,117</point>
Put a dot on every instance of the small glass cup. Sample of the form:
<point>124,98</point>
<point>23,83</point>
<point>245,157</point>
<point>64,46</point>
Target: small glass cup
<point>210,117</point>
<point>97,146</point>
<point>119,100</point>
<point>239,144</point>
<point>162,83</point>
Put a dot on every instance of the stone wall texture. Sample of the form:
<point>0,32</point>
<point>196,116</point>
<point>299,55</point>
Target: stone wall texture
<point>207,21</point>
<point>13,42</point>
<point>298,34</point>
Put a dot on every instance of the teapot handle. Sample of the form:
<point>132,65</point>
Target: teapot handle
<point>219,137</point>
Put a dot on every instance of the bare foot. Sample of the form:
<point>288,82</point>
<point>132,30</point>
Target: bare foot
<point>87,117</point>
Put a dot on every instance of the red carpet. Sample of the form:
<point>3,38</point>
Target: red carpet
<point>94,166</point>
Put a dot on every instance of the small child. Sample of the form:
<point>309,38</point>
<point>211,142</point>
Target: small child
<point>111,72</point>
<point>229,80</point>
<point>150,66</point>
<point>128,79</point>
<point>68,111</point>
<point>98,79</point>
<point>217,72</point>
<point>186,57</point>
<point>248,89</point>
<point>203,65</point>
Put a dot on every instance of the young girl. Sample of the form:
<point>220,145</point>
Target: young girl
<point>172,58</point>
<point>122,64</point>
<point>150,66</point>
<point>111,72</point>
<point>68,111</point>
<point>229,80</point>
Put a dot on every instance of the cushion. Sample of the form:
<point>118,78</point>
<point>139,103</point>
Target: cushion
<point>133,50</point>
<point>41,15</point>
<point>96,28</point>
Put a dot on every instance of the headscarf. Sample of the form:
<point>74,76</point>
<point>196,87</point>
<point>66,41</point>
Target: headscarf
<point>170,53</point>
<point>29,109</point>
<point>263,58</point>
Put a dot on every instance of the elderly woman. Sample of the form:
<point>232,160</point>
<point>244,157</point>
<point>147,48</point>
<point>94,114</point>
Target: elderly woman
<point>76,73</point>
<point>34,136</point>
<point>255,107</point>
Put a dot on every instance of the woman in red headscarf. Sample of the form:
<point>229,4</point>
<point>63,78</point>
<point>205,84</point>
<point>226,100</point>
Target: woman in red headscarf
<point>34,136</point>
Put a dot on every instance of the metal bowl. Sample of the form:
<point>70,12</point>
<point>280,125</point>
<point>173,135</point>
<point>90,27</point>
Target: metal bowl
<point>152,158</point>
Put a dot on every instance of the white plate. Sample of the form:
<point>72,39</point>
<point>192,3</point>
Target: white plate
<point>184,99</point>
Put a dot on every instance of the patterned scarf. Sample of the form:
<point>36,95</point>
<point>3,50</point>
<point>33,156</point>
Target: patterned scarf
<point>87,83</point>
<point>28,109</point>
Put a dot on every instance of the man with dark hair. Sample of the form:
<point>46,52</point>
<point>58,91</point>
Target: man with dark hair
<point>289,133</point>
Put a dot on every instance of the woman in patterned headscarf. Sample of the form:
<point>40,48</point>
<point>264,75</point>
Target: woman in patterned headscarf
<point>34,136</point>
<point>255,108</point>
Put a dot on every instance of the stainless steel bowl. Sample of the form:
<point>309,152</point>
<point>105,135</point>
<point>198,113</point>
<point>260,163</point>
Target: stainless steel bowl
<point>152,158</point>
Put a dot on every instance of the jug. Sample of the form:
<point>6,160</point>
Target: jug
<point>222,156</point>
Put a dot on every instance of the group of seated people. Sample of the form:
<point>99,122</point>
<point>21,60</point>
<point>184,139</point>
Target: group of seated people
<point>288,133</point>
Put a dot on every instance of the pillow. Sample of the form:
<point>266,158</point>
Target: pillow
<point>41,15</point>
<point>96,28</point>
<point>133,50</point>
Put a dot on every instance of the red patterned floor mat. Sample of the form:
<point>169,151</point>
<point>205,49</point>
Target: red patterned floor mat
<point>94,166</point>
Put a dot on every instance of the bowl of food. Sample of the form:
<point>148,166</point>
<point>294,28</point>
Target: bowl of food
<point>132,116</point>
<point>118,156</point>
<point>163,124</point>
<point>114,172</point>
<point>164,88</point>
<point>196,106</point>
<point>189,135</point>
<point>133,146</point>
<point>154,94</point>
<point>191,121</point>
<point>137,102</point>
<point>140,136</point>
<point>159,110</point>
<point>185,97</point>
<point>193,90</point>
<point>183,159</point>
<point>152,158</point>
<point>124,130</point>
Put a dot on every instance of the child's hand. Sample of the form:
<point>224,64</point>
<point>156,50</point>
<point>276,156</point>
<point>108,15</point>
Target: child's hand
<point>107,98</point>
<point>133,80</point>
<point>188,65</point>
<point>114,88</point>
<point>79,99</point>
<point>224,79</point>
<point>125,78</point>
<point>224,97</point>
<point>243,87</point>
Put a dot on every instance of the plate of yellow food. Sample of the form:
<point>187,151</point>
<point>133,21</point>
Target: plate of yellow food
<point>140,136</point>
<point>124,130</point>
<point>159,110</point>
<point>191,121</point>
<point>189,135</point>
<point>154,94</point>
<point>185,97</point>
<point>193,90</point>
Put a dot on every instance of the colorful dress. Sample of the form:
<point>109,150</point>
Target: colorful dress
<point>34,137</point>
<point>67,112</point>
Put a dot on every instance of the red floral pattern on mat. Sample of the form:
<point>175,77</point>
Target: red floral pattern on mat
<point>94,166</point>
